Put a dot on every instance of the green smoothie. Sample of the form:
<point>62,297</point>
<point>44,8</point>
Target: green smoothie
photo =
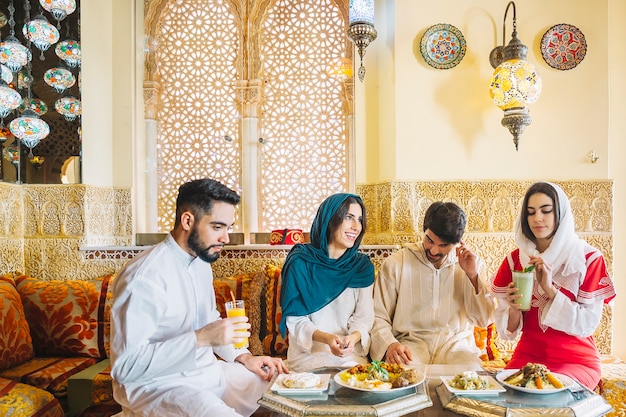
<point>524,283</point>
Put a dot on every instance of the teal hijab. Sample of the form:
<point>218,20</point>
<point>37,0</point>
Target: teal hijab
<point>310,278</point>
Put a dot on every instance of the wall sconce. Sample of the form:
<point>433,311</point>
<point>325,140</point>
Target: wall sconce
<point>515,83</point>
<point>361,30</point>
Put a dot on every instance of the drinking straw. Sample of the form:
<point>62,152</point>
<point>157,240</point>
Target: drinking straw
<point>233,297</point>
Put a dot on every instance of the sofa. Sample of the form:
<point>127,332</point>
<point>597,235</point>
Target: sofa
<point>69,323</point>
<point>50,332</point>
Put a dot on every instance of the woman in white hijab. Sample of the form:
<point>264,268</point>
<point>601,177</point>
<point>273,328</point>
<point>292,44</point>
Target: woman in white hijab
<point>570,287</point>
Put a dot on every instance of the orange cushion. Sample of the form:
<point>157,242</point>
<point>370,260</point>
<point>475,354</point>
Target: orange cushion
<point>246,287</point>
<point>16,345</point>
<point>18,399</point>
<point>67,318</point>
<point>273,342</point>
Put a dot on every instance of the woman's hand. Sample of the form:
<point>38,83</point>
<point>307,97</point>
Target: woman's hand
<point>543,274</point>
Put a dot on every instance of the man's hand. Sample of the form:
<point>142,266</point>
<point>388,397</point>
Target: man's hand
<point>223,332</point>
<point>398,354</point>
<point>264,366</point>
<point>468,263</point>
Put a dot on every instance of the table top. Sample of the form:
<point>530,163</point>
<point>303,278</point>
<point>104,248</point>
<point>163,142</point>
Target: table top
<point>432,398</point>
<point>577,401</point>
<point>342,401</point>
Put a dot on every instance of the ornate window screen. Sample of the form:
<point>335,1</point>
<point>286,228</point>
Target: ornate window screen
<point>305,156</point>
<point>204,52</point>
<point>198,46</point>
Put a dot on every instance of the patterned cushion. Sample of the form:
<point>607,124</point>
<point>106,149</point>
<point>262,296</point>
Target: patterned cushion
<point>247,287</point>
<point>18,399</point>
<point>16,345</point>
<point>273,342</point>
<point>49,374</point>
<point>67,318</point>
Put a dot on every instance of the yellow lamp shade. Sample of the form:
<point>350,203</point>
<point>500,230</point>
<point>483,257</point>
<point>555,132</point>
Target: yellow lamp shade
<point>515,83</point>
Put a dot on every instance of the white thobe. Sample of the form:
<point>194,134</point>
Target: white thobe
<point>352,310</point>
<point>431,311</point>
<point>160,299</point>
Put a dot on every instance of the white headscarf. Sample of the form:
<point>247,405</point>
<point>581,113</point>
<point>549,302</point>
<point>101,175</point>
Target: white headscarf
<point>566,253</point>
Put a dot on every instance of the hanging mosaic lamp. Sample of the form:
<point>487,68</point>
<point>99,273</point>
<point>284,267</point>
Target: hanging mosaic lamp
<point>29,129</point>
<point>12,153</point>
<point>5,134</point>
<point>59,78</point>
<point>24,79</point>
<point>59,9</point>
<point>9,99</point>
<point>41,33</point>
<point>13,54</point>
<point>69,107</point>
<point>3,20</point>
<point>69,52</point>
<point>38,106</point>
<point>7,75</point>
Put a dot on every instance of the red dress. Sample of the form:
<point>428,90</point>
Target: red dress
<point>574,356</point>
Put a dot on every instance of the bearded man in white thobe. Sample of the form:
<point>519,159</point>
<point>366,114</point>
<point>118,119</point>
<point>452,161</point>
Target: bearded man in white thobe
<point>166,329</point>
<point>428,297</point>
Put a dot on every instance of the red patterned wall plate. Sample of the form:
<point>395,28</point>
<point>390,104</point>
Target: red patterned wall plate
<point>563,46</point>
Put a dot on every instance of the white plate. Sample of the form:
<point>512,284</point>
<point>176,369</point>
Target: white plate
<point>279,388</point>
<point>566,380</point>
<point>343,383</point>
<point>493,389</point>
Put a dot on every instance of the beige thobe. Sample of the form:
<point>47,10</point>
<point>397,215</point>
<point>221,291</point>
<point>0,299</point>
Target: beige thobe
<point>431,311</point>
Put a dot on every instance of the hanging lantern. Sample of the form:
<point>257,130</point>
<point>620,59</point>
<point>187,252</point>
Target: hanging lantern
<point>59,78</point>
<point>69,52</point>
<point>9,99</point>
<point>7,75</point>
<point>5,134</point>
<point>13,54</point>
<point>59,9</point>
<point>41,33</point>
<point>3,20</point>
<point>12,153</point>
<point>38,106</point>
<point>69,107</point>
<point>29,129</point>
<point>24,79</point>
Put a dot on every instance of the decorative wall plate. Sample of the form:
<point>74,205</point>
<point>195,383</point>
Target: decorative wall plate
<point>563,46</point>
<point>442,46</point>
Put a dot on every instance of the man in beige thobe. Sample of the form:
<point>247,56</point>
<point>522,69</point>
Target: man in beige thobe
<point>428,297</point>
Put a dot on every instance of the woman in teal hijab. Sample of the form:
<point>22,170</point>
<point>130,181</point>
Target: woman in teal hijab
<point>326,290</point>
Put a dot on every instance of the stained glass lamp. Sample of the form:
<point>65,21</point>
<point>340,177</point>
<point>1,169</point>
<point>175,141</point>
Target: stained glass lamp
<point>9,99</point>
<point>41,33</point>
<point>7,75</point>
<point>5,134</point>
<point>38,106</point>
<point>515,83</point>
<point>361,29</point>
<point>59,78</point>
<point>29,129</point>
<point>69,107</point>
<point>69,52</point>
<point>12,153</point>
<point>13,54</point>
<point>59,9</point>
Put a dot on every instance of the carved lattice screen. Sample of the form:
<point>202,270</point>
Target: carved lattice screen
<point>302,115</point>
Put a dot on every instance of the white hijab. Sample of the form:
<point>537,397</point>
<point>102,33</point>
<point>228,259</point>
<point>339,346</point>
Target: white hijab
<point>566,253</point>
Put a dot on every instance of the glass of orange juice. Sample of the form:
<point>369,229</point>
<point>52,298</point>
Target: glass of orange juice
<point>237,309</point>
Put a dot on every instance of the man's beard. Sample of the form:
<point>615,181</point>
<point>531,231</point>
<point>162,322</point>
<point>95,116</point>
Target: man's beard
<point>203,253</point>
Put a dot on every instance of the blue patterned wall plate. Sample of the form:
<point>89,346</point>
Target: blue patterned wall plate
<point>442,46</point>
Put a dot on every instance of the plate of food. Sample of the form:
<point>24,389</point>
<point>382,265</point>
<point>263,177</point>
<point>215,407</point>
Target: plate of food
<point>301,383</point>
<point>470,383</point>
<point>379,376</point>
<point>534,378</point>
